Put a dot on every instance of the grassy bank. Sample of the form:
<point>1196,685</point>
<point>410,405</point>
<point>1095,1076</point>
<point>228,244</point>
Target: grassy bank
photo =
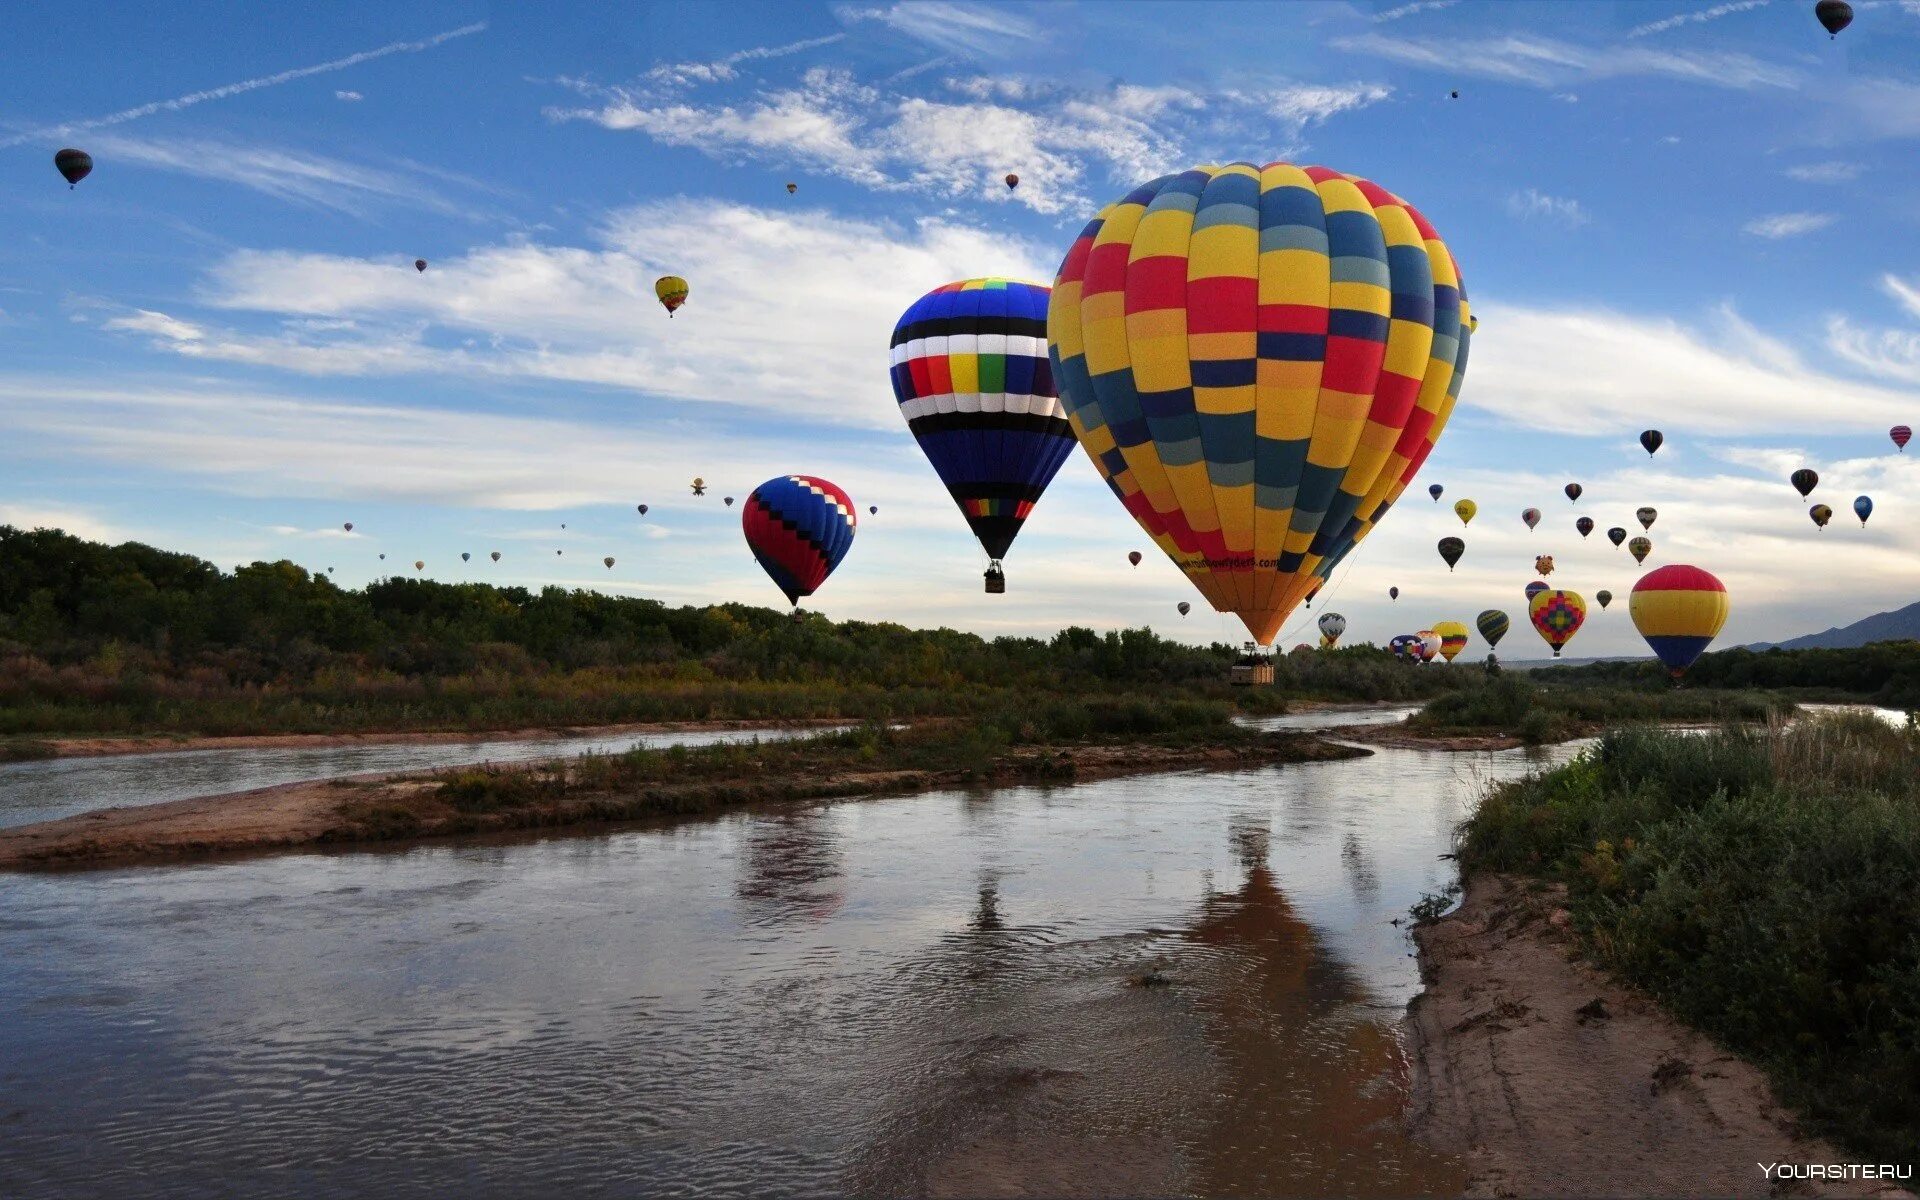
<point>1515,706</point>
<point>1042,741</point>
<point>1764,885</point>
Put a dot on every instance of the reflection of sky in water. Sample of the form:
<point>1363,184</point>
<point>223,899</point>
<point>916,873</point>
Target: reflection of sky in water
<point>815,998</point>
<point>42,791</point>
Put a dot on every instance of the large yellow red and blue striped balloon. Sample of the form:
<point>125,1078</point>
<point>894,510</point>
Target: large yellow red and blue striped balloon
<point>1679,610</point>
<point>971,373</point>
<point>1557,615</point>
<point>1258,360</point>
<point>799,527</point>
<point>1453,638</point>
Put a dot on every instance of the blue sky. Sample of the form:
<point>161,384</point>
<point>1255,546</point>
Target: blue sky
<point>1699,217</point>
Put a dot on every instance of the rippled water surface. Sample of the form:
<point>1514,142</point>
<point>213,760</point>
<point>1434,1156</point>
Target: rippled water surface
<point>61,787</point>
<point>1163,984</point>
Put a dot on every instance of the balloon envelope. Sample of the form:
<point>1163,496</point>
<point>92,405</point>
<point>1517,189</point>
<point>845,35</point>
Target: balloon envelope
<point>1573,491</point>
<point>799,528</point>
<point>1604,596</point>
<point>1640,547</point>
<point>1451,548</point>
<point>1013,181</point>
<point>1679,610</point>
<point>1531,516</point>
<point>1543,564</point>
<point>1465,510</point>
<point>1616,535</point>
<point>975,384</point>
<point>1253,403</point>
<point>1833,15</point>
<point>1429,642</point>
<point>1453,638</point>
<point>1492,625</point>
<point>1804,481</point>
<point>1821,514</point>
<point>1652,439</point>
<point>1646,516</point>
<point>1535,588</point>
<point>672,291</point>
<point>420,265</point>
<point>1393,593</point>
<point>1863,508</point>
<point>1133,556</point>
<point>496,556</point>
<point>1584,525</point>
<point>73,165</point>
<point>641,509</point>
<point>1557,615</point>
<point>1434,490</point>
<point>1184,608</point>
<point>1901,435</point>
<point>1332,625</point>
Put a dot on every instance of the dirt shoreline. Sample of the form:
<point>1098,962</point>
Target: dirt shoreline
<point>1551,1079</point>
<point>160,743</point>
<point>407,808</point>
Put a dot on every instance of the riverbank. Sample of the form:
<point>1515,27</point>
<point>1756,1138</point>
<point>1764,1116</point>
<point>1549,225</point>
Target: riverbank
<point>1552,1079</point>
<point>599,790</point>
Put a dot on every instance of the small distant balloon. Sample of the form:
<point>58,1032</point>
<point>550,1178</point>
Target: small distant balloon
<point>1393,593</point>
<point>419,564</point>
<point>383,558</point>
<point>1184,608</point>
<point>1451,548</point>
<point>1652,439</point>
<point>699,486</point>
<point>641,509</point>
<point>1434,490</point>
<point>1453,95</point>
<point>1013,181</point>
<point>1821,514</point>
<point>496,556</point>
<point>465,556</point>
<point>1543,564</point>
<point>1465,510</point>
<point>1133,556</point>
<point>1604,596</point>
<point>609,561</point>
<point>1531,516</point>
<point>873,510</point>
<point>1535,588</point>
<point>1640,547</point>
<point>1646,516</point>
<point>1804,481</point>
<point>1616,535</point>
<point>728,501</point>
<point>1901,435</point>
<point>1429,645</point>
<point>1584,525</point>
<point>1492,625</point>
<point>672,292</point>
<point>1863,508</point>
<point>348,527</point>
<point>73,165</point>
<point>1332,625</point>
<point>1453,638</point>
<point>1573,491</point>
<point>420,265</point>
<point>792,188</point>
<point>1833,15</point>
<point>1557,616</point>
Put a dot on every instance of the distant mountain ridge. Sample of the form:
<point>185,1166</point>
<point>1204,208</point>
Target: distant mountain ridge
<point>1901,623</point>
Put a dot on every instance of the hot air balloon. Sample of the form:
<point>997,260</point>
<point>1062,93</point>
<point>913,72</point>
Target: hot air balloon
<point>976,386</point>
<point>1543,564</point>
<point>1584,525</point>
<point>1451,548</point>
<point>1133,556</point>
<point>1255,412</point>
<point>420,265</point>
<point>466,556</point>
<point>1184,608</point>
<point>1332,625</point>
<point>348,527</point>
<point>558,553</point>
<point>496,556</point>
<point>1901,435</point>
<point>1535,588</point>
<point>1804,481</point>
<point>1604,596</point>
<point>1863,508</point>
<point>1465,510</point>
<point>609,561</point>
<point>1531,516</point>
<point>1393,593</point>
<point>1640,547</point>
<point>1311,595</point>
<point>419,564</point>
<point>73,165</point>
<point>1429,645</point>
<point>1652,439</point>
<point>1573,491</point>
<point>672,291</point>
<point>641,509</point>
<point>727,500</point>
<point>873,510</point>
<point>799,528</point>
<point>792,188</point>
<point>1821,514</point>
<point>1454,94</point>
<point>1616,535</point>
<point>1453,638</point>
<point>1013,181</point>
<point>1398,643</point>
<point>383,558</point>
<point>1557,615</point>
<point>1492,625</point>
<point>1679,610</point>
<point>1434,490</point>
<point>1833,15</point>
<point>1646,516</point>
<point>563,524</point>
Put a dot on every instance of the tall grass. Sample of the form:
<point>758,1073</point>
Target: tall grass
<point>1514,705</point>
<point>1764,884</point>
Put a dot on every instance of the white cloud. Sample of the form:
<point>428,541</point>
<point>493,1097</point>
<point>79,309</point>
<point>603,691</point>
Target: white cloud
<point>1785,225</point>
<point>48,515</point>
<point>1892,354</point>
<point>1550,63</point>
<point>348,96</point>
<point>687,74</point>
<point>1408,10</point>
<point>1825,172</point>
<point>1608,371</point>
<point>965,30</point>
<point>1533,203</point>
<point>753,334</point>
<point>1698,17</point>
<point>291,175</point>
<point>246,85</point>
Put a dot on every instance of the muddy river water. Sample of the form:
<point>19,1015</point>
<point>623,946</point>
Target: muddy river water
<point>1165,984</point>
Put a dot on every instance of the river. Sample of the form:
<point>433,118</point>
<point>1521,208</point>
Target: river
<point>1183,983</point>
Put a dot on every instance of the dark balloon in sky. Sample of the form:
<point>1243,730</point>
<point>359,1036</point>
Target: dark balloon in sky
<point>73,165</point>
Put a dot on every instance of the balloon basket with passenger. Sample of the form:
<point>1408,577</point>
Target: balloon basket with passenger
<point>1253,667</point>
<point>996,579</point>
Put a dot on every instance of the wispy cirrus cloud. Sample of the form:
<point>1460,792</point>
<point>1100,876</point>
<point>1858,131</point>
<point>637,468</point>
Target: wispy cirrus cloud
<point>1552,63</point>
<point>1825,172</point>
<point>1776,226</point>
<point>1413,9</point>
<point>246,85</point>
<point>686,74</point>
<point>1534,204</point>
<point>1697,17</point>
<point>966,30</point>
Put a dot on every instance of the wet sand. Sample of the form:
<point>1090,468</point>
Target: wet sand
<point>1551,1079</point>
<point>407,808</point>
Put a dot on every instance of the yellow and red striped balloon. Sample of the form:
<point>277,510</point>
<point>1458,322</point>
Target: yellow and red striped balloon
<point>1258,359</point>
<point>1679,610</point>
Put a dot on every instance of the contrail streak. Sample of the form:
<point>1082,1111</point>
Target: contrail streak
<point>247,85</point>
